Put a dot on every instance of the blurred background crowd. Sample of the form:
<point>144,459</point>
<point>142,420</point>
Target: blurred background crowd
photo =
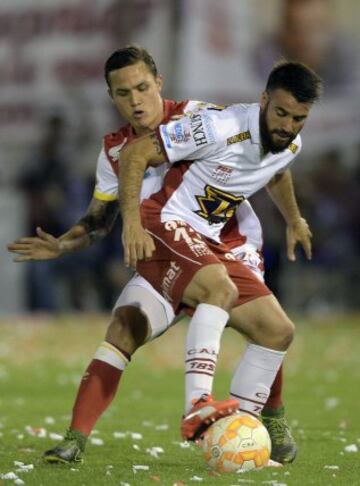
<point>54,110</point>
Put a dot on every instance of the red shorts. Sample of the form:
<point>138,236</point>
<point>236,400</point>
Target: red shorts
<point>181,252</point>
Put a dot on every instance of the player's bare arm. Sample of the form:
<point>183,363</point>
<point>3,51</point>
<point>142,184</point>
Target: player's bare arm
<point>96,224</point>
<point>281,191</point>
<point>135,158</point>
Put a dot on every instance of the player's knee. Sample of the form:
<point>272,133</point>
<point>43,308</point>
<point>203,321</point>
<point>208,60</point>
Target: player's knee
<point>226,291</point>
<point>127,329</point>
<point>211,285</point>
<point>220,291</point>
<point>284,335</point>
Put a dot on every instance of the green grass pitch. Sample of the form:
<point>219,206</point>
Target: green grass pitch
<point>41,361</point>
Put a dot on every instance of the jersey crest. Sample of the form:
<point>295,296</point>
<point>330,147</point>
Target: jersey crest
<point>217,206</point>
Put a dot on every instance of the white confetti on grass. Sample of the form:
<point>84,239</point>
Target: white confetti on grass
<point>197,479</point>
<point>21,467</point>
<point>331,466</point>
<point>49,420</point>
<point>96,441</point>
<point>136,447</point>
<point>183,445</point>
<point>36,431</point>
<point>274,483</point>
<point>155,451</point>
<point>136,435</point>
<point>331,403</point>
<point>351,448</point>
<point>123,435</point>
<point>119,435</point>
<point>10,475</point>
<point>162,427</point>
<point>140,467</point>
<point>55,436</point>
<point>272,463</point>
<point>147,423</point>
<point>19,481</point>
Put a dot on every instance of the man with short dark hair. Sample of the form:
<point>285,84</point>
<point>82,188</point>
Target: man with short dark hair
<point>174,241</point>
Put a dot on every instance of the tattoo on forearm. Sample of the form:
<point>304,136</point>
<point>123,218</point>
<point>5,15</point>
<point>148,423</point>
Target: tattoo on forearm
<point>156,143</point>
<point>100,218</point>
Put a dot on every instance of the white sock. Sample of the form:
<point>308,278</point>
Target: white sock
<point>111,355</point>
<point>254,376</point>
<point>201,350</point>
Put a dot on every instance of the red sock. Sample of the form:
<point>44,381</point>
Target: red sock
<point>275,398</point>
<point>96,391</point>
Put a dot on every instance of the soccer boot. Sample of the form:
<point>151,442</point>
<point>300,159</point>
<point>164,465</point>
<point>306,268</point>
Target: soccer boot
<point>283,445</point>
<point>204,412</point>
<point>69,450</point>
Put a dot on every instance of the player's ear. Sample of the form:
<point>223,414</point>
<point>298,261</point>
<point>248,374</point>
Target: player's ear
<point>159,82</point>
<point>264,99</point>
<point>110,94</point>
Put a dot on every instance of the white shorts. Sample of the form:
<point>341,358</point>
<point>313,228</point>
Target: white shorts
<point>139,293</point>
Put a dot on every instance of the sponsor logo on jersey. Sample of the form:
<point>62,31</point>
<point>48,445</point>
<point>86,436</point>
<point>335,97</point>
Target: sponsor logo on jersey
<point>293,147</point>
<point>217,206</point>
<point>222,173</point>
<point>171,275</point>
<point>240,137</point>
<point>184,232</point>
<point>114,152</point>
<point>179,134</point>
<point>201,129</point>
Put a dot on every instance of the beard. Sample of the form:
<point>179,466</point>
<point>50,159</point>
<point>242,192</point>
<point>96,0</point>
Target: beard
<point>266,136</point>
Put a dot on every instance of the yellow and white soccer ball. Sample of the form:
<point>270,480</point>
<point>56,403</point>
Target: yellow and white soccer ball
<point>236,443</point>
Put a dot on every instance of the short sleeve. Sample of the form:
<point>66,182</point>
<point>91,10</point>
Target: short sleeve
<point>194,136</point>
<point>107,185</point>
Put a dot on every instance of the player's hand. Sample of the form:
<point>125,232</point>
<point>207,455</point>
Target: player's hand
<point>138,244</point>
<point>41,247</point>
<point>298,232</point>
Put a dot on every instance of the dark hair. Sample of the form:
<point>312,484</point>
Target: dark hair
<point>296,78</point>
<point>128,55</point>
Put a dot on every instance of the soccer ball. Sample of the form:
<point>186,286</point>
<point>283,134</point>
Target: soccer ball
<point>236,443</point>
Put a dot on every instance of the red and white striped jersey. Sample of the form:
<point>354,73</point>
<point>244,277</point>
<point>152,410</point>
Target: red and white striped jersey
<point>227,165</point>
<point>242,233</point>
